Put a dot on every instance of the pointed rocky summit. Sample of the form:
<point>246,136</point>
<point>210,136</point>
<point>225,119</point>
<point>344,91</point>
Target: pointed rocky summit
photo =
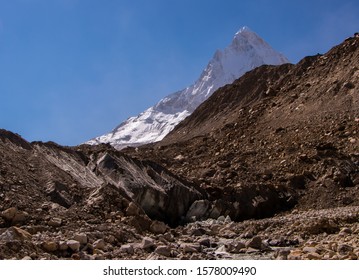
<point>246,52</point>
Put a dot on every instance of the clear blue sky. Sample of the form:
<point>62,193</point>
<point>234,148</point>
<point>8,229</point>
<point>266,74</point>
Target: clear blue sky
<point>71,70</point>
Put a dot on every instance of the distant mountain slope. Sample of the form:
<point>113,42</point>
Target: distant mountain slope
<point>246,52</point>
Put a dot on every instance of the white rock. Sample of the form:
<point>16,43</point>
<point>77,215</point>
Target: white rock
<point>74,245</point>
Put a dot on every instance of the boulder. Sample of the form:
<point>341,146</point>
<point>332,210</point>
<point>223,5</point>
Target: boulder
<point>55,222</point>
<point>81,238</point>
<point>99,244</point>
<point>20,217</point>
<point>206,242</point>
<point>255,243</point>
<point>147,243</point>
<point>63,246</point>
<point>190,247</point>
<point>198,210</point>
<point>133,210</point>
<point>158,227</point>
<point>163,250</point>
<point>74,245</point>
<point>15,233</point>
<point>50,246</point>
<point>127,248</point>
<point>9,213</point>
<point>345,249</point>
<point>234,247</point>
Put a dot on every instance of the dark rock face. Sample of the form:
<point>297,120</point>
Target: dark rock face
<point>75,177</point>
<point>160,195</point>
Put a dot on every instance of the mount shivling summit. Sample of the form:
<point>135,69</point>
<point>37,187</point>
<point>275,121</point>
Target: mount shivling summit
<point>266,167</point>
<point>246,51</point>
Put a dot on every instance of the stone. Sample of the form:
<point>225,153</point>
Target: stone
<point>275,242</point>
<point>351,256</point>
<point>329,255</point>
<point>163,250</point>
<point>74,245</point>
<point>251,250</point>
<point>99,244</point>
<point>63,246</point>
<point>255,243</point>
<point>190,248</point>
<point>221,219</point>
<point>198,209</point>
<point>127,248</point>
<point>333,246</point>
<point>227,219</point>
<point>197,232</point>
<point>322,225</point>
<point>309,250</point>
<point>50,246</point>
<point>133,210</point>
<point>205,242</point>
<point>282,254</point>
<point>345,231</point>
<point>26,258</point>
<point>153,256</point>
<point>345,249</point>
<point>158,227</point>
<point>313,256</point>
<point>55,222</point>
<point>169,237</point>
<point>98,252</point>
<point>349,85</point>
<point>20,217</point>
<point>9,213</point>
<point>235,247</point>
<point>147,243</point>
<point>295,255</point>
<point>81,237</point>
<point>85,256</point>
<point>15,233</point>
<point>111,239</point>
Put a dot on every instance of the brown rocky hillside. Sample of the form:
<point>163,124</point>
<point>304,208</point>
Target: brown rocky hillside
<point>280,136</point>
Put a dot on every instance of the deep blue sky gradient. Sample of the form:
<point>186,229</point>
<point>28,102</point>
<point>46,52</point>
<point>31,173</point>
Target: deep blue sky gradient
<point>71,70</point>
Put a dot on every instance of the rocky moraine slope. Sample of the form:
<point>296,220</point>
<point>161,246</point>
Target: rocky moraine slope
<point>267,167</point>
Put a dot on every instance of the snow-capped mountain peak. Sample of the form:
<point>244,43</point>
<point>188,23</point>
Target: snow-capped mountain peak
<point>246,52</point>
